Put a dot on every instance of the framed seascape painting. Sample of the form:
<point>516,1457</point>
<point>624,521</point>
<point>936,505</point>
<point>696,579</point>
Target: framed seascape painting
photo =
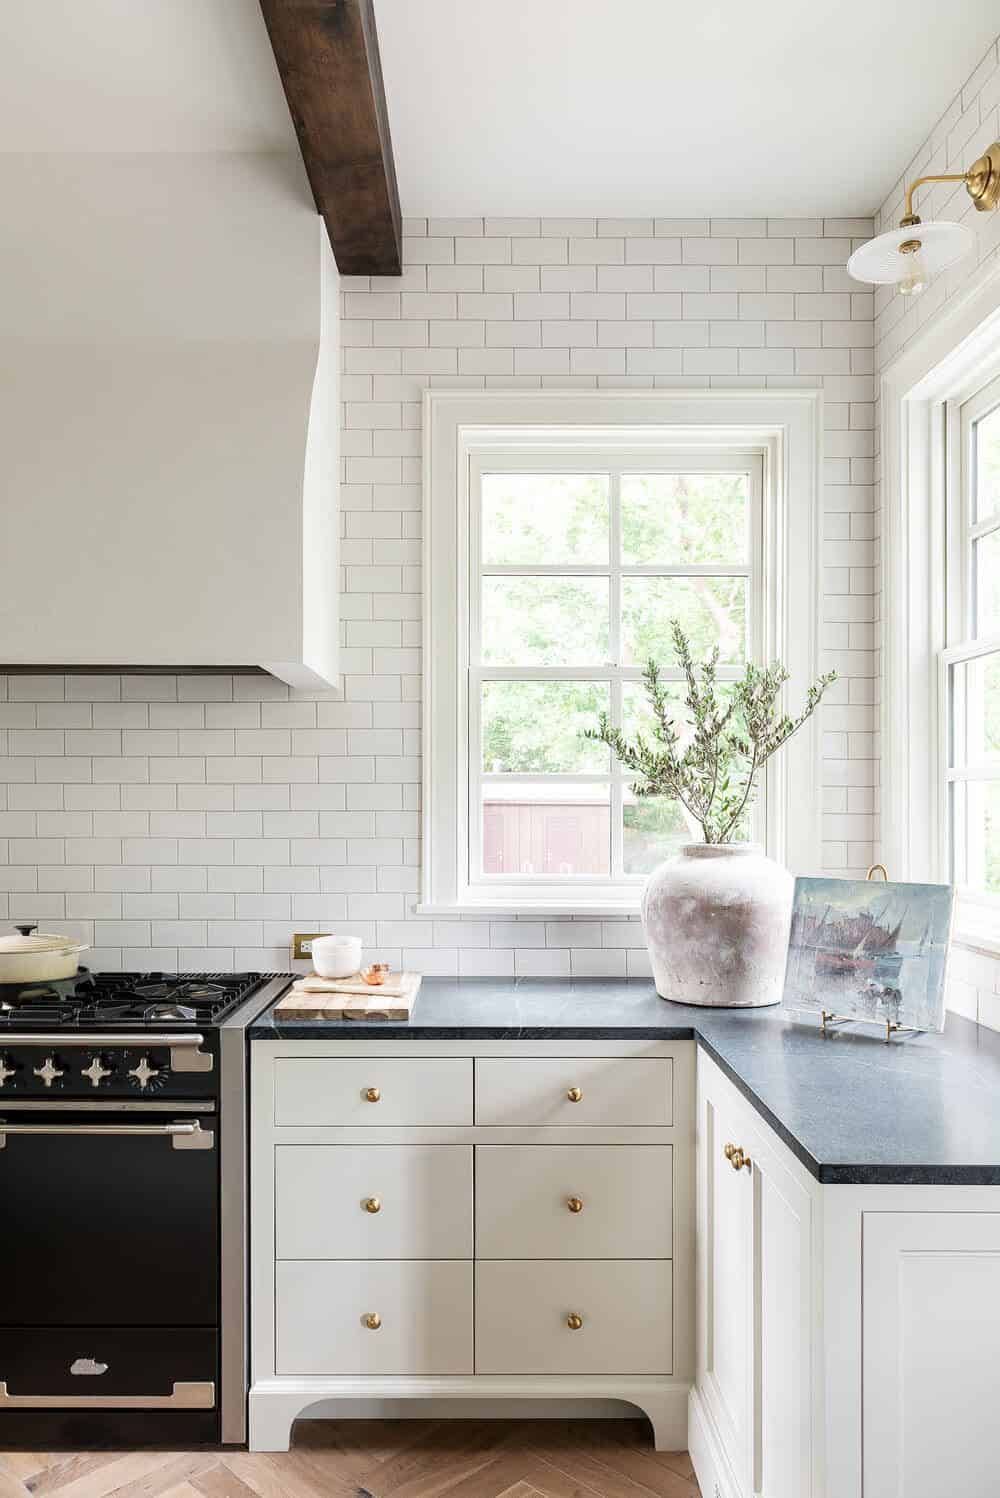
<point>869,951</point>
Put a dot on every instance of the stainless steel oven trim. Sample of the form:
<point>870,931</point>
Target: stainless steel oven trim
<point>105,1105</point>
<point>185,1396</point>
<point>186,1054</point>
<point>233,1225</point>
<point>187,1135</point>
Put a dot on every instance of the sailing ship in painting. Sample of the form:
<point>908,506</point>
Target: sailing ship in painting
<point>869,951</point>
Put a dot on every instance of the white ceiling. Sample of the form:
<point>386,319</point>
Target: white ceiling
<point>139,75</point>
<point>618,107</point>
<point>729,108</point>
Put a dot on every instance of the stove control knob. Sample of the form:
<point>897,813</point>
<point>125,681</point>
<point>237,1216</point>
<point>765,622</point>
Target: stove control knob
<point>48,1071</point>
<point>96,1071</point>
<point>144,1073</point>
<point>6,1071</point>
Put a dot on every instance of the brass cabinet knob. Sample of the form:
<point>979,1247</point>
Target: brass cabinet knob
<point>574,1322</point>
<point>371,1094</point>
<point>575,1094</point>
<point>736,1157</point>
<point>373,1321</point>
<point>574,1204</point>
<point>372,1204</point>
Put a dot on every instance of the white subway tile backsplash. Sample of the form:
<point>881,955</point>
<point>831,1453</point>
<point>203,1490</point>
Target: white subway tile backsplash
<point>204,813</point>
<point>548,963</point>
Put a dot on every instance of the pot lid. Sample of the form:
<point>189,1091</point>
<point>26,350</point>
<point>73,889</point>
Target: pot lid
<point>29,939</point>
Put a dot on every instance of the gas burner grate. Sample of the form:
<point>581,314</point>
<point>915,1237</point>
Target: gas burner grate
<point>103,1000</point>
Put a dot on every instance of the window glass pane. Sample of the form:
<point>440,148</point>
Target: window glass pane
<point>533,727</point>
<point>710,610</point>
<point>538,828</point>
<point>975,689</point>
<point>986,562</point>
<point>685,519</point>
<point>987,440</point>
<point>654,830</point>
<point>545,621</point>
<point>977,813</point>
<point>550,518</point>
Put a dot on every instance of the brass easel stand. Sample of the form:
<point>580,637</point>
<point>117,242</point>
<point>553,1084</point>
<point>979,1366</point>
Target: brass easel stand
<point>891,1029</point>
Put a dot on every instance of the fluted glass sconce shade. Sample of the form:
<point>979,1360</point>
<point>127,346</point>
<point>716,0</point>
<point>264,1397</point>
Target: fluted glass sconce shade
<point>910,256</point>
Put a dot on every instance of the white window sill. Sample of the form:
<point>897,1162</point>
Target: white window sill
<point>621,909</point>
<point>980,939</point>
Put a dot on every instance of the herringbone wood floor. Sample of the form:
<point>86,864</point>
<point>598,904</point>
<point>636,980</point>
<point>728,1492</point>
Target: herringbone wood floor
<point>379,1459</point>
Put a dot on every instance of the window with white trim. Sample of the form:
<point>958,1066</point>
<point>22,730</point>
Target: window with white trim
<point>972,655</point>
<point>563,530</point>
<point>578,563</point>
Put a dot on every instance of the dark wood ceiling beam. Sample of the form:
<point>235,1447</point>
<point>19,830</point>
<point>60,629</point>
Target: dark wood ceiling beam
<point>328,58</point>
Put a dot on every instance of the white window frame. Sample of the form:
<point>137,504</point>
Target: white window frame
<point>924,593</point>
<point>461,430</point>
<point>963,643</point>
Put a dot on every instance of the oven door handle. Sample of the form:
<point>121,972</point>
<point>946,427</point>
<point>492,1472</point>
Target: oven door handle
<point>185,1050</point>
<point>187,1134</point>
<point>185,1396</point>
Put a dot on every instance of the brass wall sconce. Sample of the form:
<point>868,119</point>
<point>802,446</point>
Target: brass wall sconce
<point>908,257</point>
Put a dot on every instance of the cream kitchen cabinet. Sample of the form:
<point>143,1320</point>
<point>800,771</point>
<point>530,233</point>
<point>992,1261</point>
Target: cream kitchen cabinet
<point>494,1222</point>
<point>575,1227</point>
<point>753,1407</point>
<point>846,1334</point>
<point>931,1334</point>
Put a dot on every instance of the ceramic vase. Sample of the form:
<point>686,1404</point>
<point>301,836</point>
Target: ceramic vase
<point>716,919</point>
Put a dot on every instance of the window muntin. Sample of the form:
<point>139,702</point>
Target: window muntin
<point>972,657</point>
<point>577,564</point>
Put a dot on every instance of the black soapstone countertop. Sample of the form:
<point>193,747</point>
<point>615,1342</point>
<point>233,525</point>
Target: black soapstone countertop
<point>922,1109</point>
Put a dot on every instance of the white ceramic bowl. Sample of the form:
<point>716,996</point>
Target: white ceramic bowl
<point>336,956</point>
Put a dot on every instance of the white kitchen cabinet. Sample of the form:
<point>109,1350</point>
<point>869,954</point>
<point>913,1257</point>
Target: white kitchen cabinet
<point>392,1318</point>
<point>373,1201</point>
<point>803,1339</point>
<point>931,1338</point>
<point>574,1201</point>
<point>403,1248</point>
<point>577,1090</point>
<point>752,1414</point>
<point>588,1317</point>
<point>846,1335</point>
<point>371,1091</point>
<point>724,1250</point>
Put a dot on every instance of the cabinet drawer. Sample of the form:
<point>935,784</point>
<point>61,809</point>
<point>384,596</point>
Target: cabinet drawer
<point>523,1311</point>
<point>373,1201</point>
<point>574,1201</point>
<point>364,1090</point>
<point>612,1090</point>
<point>424,1313</point>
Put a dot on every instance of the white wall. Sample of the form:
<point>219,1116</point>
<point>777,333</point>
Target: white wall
<point>197,820</point>
<point>969,124</point>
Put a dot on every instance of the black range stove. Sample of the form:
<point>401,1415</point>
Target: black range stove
<point>123,1206</point>
<point>117,1033</point>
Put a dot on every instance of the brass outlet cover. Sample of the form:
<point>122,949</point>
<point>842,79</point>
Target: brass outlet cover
<point>302,944</point>
<point>983,179</point>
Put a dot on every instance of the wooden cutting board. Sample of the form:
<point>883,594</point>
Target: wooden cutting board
<point>375,1004</point>
<point>394,987</point>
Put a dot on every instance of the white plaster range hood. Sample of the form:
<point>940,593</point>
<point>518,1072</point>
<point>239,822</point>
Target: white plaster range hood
<point>168,314</point>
